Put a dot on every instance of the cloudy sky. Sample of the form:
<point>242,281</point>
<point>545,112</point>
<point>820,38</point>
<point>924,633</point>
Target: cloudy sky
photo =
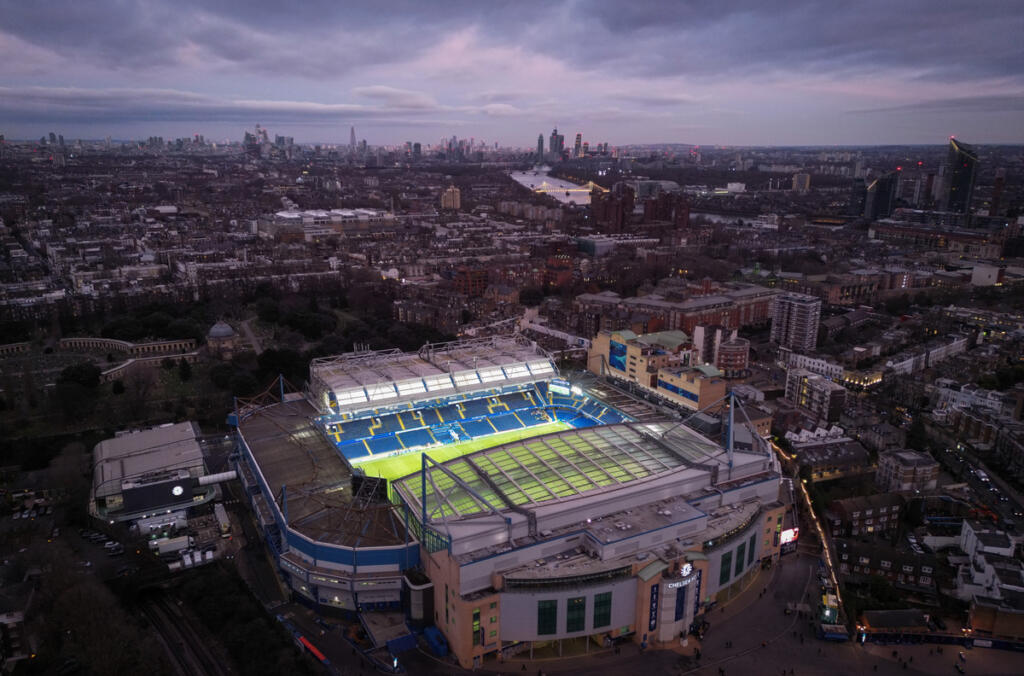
<point>765,72</point>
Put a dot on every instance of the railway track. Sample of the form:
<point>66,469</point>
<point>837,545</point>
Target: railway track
<point>184,644</point>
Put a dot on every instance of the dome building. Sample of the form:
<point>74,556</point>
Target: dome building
<point>222,340</point>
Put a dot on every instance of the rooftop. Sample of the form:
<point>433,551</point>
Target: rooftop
<point>296,461</point>
<point>172,446</point>
<point>370,379</point>
<point>557,467</point>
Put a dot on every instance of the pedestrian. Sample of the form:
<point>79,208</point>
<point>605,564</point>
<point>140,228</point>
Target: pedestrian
<point>524,667</point>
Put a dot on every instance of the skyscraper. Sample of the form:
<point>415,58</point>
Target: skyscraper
<point>352,140</point>
<point>795,324</point>
<point>880,196</point>
<point>961,170</point>
<point>557,142</point>
<point>577,149</point>
<point>997,191</point>
<point>540,147</point>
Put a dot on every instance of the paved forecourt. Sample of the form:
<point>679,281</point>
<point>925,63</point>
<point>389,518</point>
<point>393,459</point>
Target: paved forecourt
<point>396,466</point>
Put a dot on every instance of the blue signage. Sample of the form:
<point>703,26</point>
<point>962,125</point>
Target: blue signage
<point>696,593</point>
<point>617,355</point>
<point>654,607</point>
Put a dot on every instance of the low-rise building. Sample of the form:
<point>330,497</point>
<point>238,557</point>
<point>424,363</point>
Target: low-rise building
<point>660,363</point>
<point>906,470</point>
<point>816,394</point>
<point>992,581</point>
<point>864,515</point>
<point>833,458</point>
<point>859,561</point>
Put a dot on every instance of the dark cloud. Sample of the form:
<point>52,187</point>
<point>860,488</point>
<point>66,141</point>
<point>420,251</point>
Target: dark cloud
<point>609,60</point>
<point>73,104</point>
<point>658,37</point>
<point>969,104</point>
<point>941,39</point>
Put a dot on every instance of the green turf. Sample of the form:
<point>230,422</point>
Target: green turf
<point>396,466</point>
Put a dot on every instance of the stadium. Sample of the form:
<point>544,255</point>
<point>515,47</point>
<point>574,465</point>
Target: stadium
<point>471,487</point>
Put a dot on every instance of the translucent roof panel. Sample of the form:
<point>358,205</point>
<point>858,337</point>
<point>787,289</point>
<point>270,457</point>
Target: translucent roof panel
<point>542,469</point>
<point>381,391</point>
<point>411,387</point>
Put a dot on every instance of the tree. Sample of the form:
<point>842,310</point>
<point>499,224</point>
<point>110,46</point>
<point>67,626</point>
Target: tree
<point>139,383</point>
<point>917,435</point>
<point>83,373</point>
<point>117,387</point>
<point>73,399</point>
<point>531,296</point>
<point>220,376</point>
<point>184,370</point>
<point>243,384</point>
<point>267,310</point>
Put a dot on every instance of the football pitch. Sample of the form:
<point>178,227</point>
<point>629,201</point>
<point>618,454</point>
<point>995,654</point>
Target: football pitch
<point>396,466</point>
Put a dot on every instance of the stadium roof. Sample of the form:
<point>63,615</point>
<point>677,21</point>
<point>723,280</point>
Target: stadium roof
<point>304,470</point>
<point>556,467</point>
<point>361,380</point>
<point>144,452</point>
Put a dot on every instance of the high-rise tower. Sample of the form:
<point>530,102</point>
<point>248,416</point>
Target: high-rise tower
<point>540,147</point>
<point>352,140</point>
<point>880,195</point>
<point>961,170</point>
<point>795,324</point>
<point>577,149</point>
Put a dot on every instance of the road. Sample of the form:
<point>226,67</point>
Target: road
<point>995,493</point>
<point>250,336</point>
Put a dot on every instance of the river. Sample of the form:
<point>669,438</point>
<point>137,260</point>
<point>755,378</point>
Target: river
<point>533,178</point>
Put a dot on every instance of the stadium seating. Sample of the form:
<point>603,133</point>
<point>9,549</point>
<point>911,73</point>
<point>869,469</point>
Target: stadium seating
<point>354,450</point>
<point>413,438</point>
<point>461,417</point>
<point>474,408</point>
<point>386,444</point>
<point>506,423</point>
<point>353,429</point>
<point>477,428</point>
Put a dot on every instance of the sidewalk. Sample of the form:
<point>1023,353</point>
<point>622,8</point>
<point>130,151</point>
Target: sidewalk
<point>750,593</point>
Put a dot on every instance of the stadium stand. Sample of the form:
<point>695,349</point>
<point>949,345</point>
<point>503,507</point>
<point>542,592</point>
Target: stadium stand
<point>412,425</point>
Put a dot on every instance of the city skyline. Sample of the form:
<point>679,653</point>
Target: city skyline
<point>800,73</point>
